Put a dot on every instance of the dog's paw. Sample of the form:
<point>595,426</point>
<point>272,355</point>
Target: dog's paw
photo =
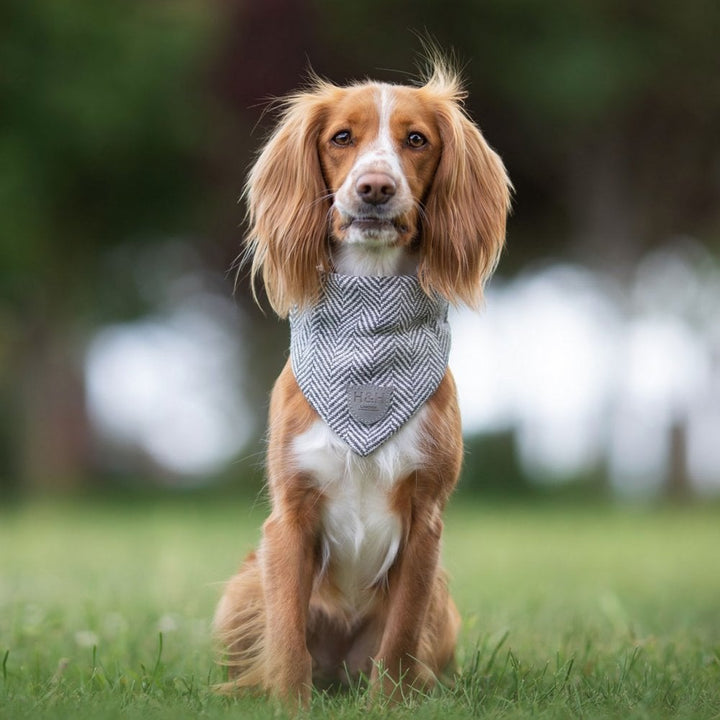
<point>290,682</point>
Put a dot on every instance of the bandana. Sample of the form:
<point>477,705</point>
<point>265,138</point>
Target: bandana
<point>369,354</point>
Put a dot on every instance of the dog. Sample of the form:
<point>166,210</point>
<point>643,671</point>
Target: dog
<point>358,187</point>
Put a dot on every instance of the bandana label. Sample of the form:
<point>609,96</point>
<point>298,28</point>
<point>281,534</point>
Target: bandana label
<point>368,403</point>
<point>369,354</point>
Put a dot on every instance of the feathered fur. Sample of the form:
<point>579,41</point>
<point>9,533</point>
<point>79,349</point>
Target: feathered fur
<point>365,179</point>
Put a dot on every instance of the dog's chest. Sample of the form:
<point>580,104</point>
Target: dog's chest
<point>361,532</point>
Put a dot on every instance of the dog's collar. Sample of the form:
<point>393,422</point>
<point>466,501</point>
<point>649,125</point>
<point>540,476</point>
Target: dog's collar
<point>369,354</point>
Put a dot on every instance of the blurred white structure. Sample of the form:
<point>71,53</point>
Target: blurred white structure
<point>582,371</point>
<point>170,386</point>
<point>585,373</point>
<point>539,361</point>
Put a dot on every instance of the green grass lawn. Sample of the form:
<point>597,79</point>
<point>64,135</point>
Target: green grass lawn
<point>569,612</point>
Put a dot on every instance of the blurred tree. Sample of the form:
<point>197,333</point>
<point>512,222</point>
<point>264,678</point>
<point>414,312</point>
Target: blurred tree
<point>491,466</point>
<point>606,112</point>
<point>603,111</point>
<point>98,136</point>
<point>120,120</point>
<point>263,50</point>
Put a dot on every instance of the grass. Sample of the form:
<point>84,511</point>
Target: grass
<point>569,612</point>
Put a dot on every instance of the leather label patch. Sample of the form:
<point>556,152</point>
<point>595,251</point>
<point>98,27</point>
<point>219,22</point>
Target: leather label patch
<point>368,403</point>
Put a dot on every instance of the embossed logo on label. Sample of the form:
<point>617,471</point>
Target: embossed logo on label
<point>368,403</point>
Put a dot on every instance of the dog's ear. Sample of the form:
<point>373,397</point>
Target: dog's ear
<point>288,206</point>
<point>466,209</point>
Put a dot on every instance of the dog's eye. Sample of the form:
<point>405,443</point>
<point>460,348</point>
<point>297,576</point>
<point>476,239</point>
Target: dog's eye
<point>416,140</point>
<point>342,138</point>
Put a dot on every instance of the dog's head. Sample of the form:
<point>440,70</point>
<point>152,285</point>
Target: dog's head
<point>377,167</point>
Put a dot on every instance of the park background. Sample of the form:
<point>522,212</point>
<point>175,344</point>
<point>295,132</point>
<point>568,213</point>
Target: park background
<point>126,356</point>
<point>134,373</point>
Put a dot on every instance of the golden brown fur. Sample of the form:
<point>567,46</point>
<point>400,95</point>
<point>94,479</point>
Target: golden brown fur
<point>283,620</point>
<point>464,211</point>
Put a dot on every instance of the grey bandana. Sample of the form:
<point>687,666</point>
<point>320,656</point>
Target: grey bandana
<point>369,354</point>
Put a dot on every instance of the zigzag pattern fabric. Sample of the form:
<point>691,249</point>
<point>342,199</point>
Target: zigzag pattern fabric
<point>369,354</point>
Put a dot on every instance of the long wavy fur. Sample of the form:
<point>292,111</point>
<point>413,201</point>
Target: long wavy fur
<point>289,204</point>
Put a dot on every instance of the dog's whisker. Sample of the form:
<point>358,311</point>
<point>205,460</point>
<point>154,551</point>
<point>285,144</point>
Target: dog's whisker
<point>323,198</point>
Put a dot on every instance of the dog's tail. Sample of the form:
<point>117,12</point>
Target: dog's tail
<point>239,626</point>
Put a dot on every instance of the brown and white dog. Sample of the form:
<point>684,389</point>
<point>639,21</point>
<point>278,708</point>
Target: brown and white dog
<point>368,179</point>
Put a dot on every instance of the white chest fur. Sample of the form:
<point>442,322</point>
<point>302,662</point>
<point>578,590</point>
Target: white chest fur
<point>360,532</point>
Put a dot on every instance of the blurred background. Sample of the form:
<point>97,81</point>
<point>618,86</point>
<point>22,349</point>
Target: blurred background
<point>127,361</point>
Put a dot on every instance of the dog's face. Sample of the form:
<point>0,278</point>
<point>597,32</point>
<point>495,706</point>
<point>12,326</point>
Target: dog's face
<point>373,166</point>
<point>379,149</point>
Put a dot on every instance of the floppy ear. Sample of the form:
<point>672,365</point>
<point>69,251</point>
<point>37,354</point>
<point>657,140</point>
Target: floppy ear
<point>288,207</point>
<point>466,210</point>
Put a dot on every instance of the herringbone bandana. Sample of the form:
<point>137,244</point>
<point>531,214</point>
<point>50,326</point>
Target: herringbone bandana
<point>369,354</point>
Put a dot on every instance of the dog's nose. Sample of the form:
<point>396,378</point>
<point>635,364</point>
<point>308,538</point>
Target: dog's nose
<point>375,188</point>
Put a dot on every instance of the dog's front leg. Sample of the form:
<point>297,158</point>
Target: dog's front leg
<point>288,566</point>
<point>410,588</point>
